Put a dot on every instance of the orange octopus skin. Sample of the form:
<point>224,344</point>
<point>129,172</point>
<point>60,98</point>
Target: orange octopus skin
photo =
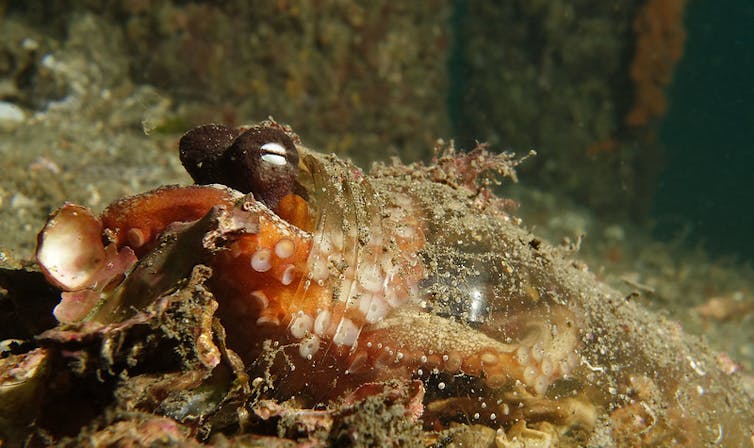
<point>344,326</point>
<point>337,345</point>
<point>137,221</point>
<point>258,277</point>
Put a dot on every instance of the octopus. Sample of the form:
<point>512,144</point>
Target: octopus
<point>336,279</point>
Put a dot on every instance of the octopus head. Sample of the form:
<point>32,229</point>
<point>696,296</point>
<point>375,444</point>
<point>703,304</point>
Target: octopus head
<point>202,152</point>
<point>262,160</point>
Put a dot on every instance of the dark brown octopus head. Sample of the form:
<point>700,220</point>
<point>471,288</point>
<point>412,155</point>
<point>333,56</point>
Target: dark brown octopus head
<point>262,160</point>
<point>202,151</point>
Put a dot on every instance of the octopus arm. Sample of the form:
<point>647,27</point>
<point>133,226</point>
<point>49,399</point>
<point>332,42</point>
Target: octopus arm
<point>137,221</point>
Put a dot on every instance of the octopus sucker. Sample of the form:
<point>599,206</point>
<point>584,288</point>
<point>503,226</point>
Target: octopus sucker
<point>455,351</point>
<point>321,281</point>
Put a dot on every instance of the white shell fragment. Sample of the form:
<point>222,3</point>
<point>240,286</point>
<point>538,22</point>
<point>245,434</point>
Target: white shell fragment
<point>70,250</point>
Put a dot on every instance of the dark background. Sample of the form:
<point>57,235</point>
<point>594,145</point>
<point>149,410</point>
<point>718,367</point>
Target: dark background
<point>706,190</point>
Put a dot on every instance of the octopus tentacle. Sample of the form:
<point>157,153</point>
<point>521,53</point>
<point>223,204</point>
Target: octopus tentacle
<point>406,340</point>
<point>320,289</point>
<point>137,221</point>
<point>359,255</point>
<point>344,290</point>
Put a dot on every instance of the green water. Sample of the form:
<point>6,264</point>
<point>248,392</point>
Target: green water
<point>707,189</point>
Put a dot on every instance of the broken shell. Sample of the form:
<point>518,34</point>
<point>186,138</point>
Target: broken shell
<point>70,249</point>
<point>22,383</point>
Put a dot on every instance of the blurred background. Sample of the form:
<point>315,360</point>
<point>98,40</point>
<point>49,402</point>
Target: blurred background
<point>640,110</point>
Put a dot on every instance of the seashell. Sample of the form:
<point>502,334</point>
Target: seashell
<point>22,390</point>
<point>70,249</point>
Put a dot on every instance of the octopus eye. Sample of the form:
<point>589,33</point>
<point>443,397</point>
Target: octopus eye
<point>274,154</point>
<point>263,161</point>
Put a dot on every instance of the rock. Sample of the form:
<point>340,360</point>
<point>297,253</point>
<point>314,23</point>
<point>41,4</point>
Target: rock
<point>11,116</point>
